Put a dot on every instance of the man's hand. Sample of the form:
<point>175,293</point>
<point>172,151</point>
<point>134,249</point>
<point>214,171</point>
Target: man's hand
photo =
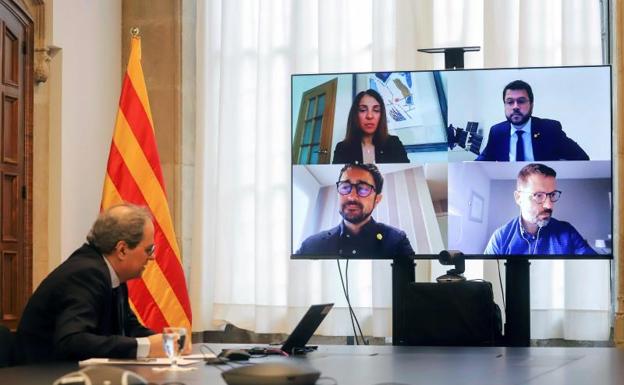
<point>156,346</point>
<point>157,349</point>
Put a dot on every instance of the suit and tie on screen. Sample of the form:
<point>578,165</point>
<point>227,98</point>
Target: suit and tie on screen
<point>523,137</point>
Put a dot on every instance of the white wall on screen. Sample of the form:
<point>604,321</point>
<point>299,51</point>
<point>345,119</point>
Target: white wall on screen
<point>305,192</point>
<point>577,97</point>
<point>465,234</point>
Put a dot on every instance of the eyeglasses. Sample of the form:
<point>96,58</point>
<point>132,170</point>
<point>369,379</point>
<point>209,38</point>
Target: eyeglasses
<point>150,250</point>
<point>362,189</point>
<point>521,101</point>
<point>540,197</point>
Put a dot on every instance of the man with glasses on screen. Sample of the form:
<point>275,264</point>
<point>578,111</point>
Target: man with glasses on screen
<point>524,137</point>
<point>535,231</point>
<point>359,189</point>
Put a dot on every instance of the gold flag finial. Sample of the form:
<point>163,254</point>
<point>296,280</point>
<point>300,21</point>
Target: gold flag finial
<point>134,31</point>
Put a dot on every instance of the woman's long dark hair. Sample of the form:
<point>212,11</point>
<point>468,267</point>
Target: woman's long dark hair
<point>354,131</point>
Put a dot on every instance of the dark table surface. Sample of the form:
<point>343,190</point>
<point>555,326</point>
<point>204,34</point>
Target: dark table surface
<point>399,365</point>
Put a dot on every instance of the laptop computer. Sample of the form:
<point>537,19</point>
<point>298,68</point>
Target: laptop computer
<point>306,328</point>
<point>297,340</point>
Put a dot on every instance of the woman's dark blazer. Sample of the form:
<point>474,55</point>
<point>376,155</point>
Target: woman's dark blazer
<point>391,151</point>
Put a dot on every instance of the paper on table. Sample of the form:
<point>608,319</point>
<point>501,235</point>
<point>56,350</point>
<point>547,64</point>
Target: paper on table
<point>198,356</point>
<point>186,360</point>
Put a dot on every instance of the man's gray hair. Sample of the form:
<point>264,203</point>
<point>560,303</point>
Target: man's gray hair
<point>123,222</point>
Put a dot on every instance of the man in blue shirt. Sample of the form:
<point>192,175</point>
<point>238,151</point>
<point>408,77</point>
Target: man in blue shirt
<point>535,231</point>
<point>524,137</point>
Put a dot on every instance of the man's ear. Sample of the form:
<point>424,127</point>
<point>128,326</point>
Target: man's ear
<point>517,197</point>
<point>378,198</point>
<point>121,247</point>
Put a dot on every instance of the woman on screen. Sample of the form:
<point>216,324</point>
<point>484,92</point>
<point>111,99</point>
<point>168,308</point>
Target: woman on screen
<point>367,139</point>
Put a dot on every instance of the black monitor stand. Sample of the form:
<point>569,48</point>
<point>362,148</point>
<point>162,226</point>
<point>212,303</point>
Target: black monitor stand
<point>403,273</point>
<point>517,293</point>
<point>453,56</point>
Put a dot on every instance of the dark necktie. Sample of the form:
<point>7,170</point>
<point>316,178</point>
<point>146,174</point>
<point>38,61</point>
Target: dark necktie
<point>118,301</point>
<point>519,146</point>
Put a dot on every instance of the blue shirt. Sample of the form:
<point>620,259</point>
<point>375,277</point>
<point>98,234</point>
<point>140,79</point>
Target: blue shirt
<point>556,238</point>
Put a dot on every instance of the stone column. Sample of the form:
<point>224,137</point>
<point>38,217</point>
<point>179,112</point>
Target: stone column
<point>46,249</point>
<point>160,25</point>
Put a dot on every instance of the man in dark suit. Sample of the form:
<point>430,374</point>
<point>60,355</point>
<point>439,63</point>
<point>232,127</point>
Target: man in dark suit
<point>524,137</point>
<point>81,309</point>
<point>358,235</point>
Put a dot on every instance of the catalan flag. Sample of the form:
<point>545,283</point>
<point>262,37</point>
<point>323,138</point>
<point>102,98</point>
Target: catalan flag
<point>133,175</point>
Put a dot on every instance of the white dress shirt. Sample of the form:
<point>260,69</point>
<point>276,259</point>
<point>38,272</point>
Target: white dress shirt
<point>526,140</point>
<point>143,344</point>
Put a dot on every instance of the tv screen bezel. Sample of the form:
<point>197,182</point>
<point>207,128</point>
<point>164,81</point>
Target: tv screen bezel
<point>608,256</point>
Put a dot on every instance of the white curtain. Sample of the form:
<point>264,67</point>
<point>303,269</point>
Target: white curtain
<point>246,52</point>
<point>569,299</point>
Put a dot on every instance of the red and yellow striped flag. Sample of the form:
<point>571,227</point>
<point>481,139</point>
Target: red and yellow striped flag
<point>133,175</point>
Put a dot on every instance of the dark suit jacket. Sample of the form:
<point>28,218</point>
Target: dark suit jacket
<point>547,137</point>
<point>390,152</point>
<point>73,316</point>
<point>375,240</point>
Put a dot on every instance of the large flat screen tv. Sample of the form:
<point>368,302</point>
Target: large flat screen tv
<point>496,163</point>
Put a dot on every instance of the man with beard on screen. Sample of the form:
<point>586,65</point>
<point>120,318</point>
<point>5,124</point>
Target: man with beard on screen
<point>535,231</point>
<point>524,137</point>
<point>358,235</point>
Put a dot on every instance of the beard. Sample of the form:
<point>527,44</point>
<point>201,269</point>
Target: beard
<point>355,217</point>
<point>543,222</point>
<point>522,118</point>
